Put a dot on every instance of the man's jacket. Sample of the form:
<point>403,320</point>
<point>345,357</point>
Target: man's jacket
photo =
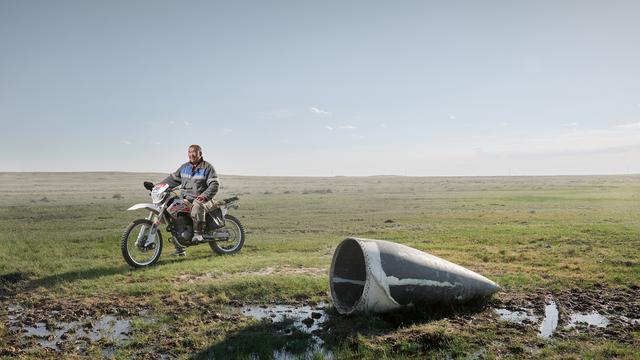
<point>200,179</point>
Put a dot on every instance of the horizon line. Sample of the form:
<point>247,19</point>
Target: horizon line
<point>314,176</point>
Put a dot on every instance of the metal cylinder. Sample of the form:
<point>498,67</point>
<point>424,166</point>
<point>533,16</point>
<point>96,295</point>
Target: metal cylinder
<point>378,276</point>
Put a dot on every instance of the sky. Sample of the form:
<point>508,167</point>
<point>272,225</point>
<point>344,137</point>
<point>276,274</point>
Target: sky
<point>322,88</point>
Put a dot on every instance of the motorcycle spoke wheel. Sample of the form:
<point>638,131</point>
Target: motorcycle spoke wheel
<point>136,254</point>
<point>236,237</point>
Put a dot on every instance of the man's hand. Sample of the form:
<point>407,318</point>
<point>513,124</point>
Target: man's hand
<point>201,199</point>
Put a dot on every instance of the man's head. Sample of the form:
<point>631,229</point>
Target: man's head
<point>195,154</point>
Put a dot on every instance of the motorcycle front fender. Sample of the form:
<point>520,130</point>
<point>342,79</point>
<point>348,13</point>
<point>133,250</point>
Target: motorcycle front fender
<point>151,207</point>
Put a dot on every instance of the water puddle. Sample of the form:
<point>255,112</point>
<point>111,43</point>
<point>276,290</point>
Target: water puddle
<point>50,335</point>
<point>591,319</point>
<point>525,316</point>
<point>308,319</point>
<point>517,317</point>
<point>550,321</point>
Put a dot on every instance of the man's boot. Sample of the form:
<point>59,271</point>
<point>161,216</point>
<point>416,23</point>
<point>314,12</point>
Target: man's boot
<point>198,232</point>
<point>180,251</point>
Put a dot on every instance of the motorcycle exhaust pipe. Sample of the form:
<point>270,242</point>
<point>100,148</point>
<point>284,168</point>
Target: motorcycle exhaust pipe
<point>378,276</point>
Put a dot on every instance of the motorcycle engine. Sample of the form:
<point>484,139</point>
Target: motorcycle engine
<point>183,228</point>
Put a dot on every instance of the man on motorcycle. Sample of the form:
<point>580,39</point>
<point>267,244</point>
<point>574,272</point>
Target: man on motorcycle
<point>199,185</point>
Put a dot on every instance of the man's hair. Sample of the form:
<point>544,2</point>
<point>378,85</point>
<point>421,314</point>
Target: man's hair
<point>196,147</point>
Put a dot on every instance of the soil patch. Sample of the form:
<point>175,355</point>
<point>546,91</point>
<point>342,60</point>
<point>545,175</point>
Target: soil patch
<point>282,270</point>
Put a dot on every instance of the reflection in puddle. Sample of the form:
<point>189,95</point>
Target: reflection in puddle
<point>592,319</point>
<point>551,317</point>
<point>308,319</point>
<point>547,326</point>
<point>550,321</point>
<point>107,327</point>
<point>517,317</point>
<point>305,318</point>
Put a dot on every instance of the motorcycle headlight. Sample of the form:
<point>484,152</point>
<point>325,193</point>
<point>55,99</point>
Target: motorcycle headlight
<point>158,193</point>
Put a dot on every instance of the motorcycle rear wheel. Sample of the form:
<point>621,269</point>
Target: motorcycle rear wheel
<point>236,237</point>
<point>135,255</point>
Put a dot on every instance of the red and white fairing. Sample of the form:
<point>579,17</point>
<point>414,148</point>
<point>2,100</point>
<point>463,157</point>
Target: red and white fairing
<point>178,206</point>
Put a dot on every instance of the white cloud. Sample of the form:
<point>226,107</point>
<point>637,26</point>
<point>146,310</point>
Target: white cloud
<point>330,128</point>
<point>186,123</point>
<point>571,124</point>
<point>227,131</point>
<point>504,124</point>
<point>629,126</point>
<point>349,127</point>
<point>126,142</point>
<point>318,111</point>
<point>172,122</point>
<point>452,117</point>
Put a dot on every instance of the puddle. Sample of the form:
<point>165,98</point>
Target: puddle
<point>308,319</point>
<point>550,321</point>
<point>551,317</point>
<point>518,317</point>
<point>109,327</point>
<point>591,319</point>
<point>311,353</point>
<point>525,316</point>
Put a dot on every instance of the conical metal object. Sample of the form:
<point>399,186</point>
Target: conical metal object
<point>378,276</point>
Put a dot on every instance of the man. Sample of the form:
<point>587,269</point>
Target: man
<point>199,185</point>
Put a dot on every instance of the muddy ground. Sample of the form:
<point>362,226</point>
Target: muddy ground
<point>157,327</point>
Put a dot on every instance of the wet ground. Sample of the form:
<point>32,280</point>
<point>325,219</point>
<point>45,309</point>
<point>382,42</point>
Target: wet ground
<point>61,336</point>
<point>110,324</point>
<point>306,318</point>
<point>612,314</point>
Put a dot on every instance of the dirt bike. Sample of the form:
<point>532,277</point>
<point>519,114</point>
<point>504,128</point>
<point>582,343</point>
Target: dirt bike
<point>141,242</point>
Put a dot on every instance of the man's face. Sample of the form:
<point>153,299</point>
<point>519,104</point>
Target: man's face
<point>194,155</point>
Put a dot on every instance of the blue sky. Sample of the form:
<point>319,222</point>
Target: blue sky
<point>322,88</point>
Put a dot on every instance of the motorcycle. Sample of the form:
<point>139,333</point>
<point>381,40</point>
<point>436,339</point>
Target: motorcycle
<point>141,243</point>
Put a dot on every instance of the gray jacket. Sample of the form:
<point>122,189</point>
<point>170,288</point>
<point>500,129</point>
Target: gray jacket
<point>195,180</point>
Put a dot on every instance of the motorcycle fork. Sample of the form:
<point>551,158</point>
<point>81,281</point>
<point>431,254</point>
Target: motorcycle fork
<point>152,233</point>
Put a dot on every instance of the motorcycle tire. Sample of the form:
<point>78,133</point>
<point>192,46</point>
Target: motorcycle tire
<point>237,229</point>
<point>124,242</point>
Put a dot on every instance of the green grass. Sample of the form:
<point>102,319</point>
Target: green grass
<point>60,242</point>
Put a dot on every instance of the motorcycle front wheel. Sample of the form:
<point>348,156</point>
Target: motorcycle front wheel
<point>136,252</point>
<point>236,237</point>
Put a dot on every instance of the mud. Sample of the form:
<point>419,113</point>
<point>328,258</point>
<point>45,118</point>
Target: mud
<point>62,335</point>
<point>51,321</point>
<point>517,316</point>
<point>600,311</point>
<point>69,326</point>
<point>309,319</point>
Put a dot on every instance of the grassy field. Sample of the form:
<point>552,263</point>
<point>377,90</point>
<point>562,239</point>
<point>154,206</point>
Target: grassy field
<point>575,240</point>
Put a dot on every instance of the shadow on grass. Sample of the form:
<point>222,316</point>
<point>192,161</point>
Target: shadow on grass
<point>343,334</point>
<point>264,340</point>
<point>11,283</point>
<point>76,275</point>
<point>344,331</point>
